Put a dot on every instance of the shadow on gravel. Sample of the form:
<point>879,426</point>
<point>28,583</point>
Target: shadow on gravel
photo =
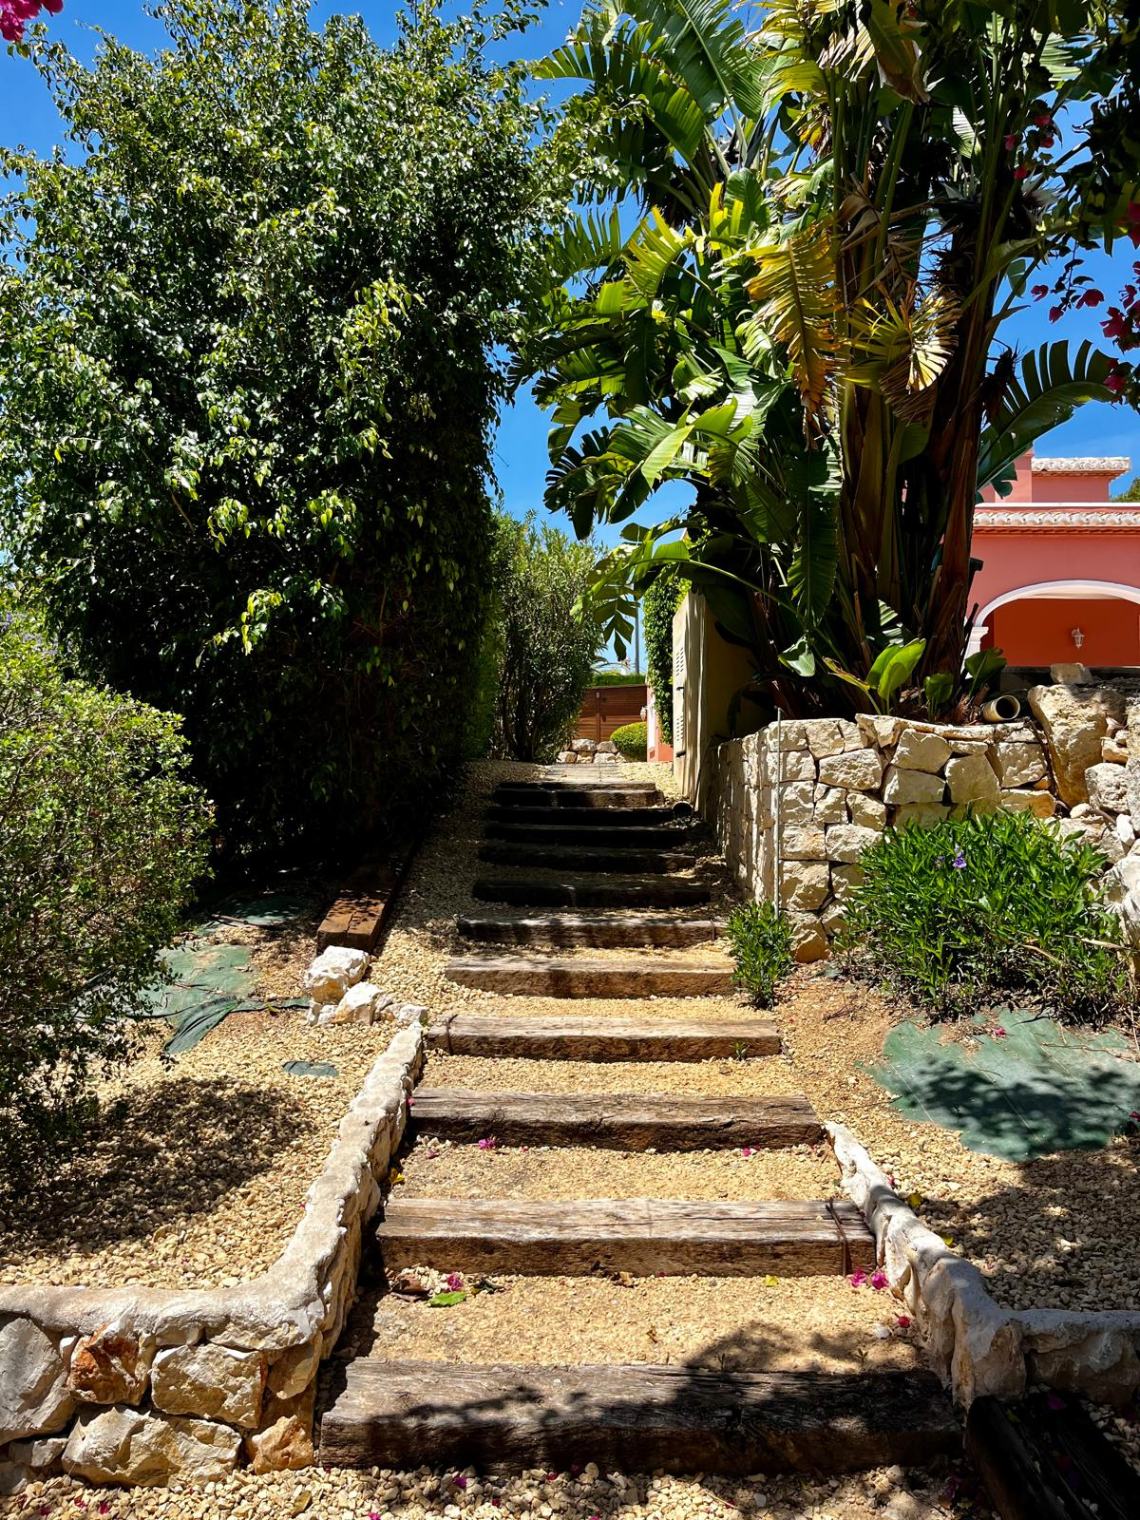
<point>153,1158</point>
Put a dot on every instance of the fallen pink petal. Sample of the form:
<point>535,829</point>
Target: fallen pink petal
<point>879,1280</point>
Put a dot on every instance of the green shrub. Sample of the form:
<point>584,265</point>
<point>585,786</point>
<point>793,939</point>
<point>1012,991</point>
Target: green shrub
<point>101,839</point>
<point>546,643</point>
<point>658,605</point>
<point>616,678</point>
<point>984,907</point>
<point>253,326</point>
<point>761,946</point>
<point>632,740</point>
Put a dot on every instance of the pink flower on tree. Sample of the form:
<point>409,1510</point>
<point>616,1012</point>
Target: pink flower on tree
<point>15,15</point>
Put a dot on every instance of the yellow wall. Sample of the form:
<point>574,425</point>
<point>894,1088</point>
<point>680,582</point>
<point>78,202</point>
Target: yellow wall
<point>707,674</point>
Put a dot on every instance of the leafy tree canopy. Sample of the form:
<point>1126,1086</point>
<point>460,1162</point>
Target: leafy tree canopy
<point>247,384</point>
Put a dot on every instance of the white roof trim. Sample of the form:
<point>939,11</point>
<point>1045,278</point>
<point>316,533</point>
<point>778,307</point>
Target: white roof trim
<point>1107,465</point>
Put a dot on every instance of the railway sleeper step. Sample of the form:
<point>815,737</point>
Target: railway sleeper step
<point>573,1038</point>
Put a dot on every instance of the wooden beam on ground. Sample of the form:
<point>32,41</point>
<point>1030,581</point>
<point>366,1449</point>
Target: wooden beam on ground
<point>645,1236</point>
<point>538,857</point>
<point>597,933</point>
<point>633,1418</point>
<point>577,976</point>
<point>574,1038</point>
<point>360,914</point>
<point>591,891</point>
<point>615,1121</point>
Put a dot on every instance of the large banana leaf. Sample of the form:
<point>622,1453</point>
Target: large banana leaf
<point>1048,391</point>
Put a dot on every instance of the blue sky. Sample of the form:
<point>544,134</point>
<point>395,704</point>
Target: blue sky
<point>28,116</point>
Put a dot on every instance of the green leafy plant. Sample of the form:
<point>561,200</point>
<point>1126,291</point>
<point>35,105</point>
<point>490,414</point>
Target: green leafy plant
<point>662,597</point>
<point>761,945</point>
<point>101,840</point>
<point>546,642</point>
<point>616,678</point>
<point>632,740</point>
<point>247,359</point>
<point>983,908</point>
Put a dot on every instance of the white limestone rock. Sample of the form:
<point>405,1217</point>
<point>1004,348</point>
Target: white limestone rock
<point>904,787</point>
<point>215,1382</point>
<point>605,747</point>
<point>567,757</point>
<point>361,1004</point>
<point>1070,675</point>
<point>847,841</point>
<point>34,1397</point>
<point>917,751</point>
<point>867,812</point>
<point>804,885</point>
<point>44,1451</point>
<point>809,941</point>
<point>855,769</point>
<point>797,803</point>
<point>972,779</point>
<point>794,765</point>
<point>1114,749</point>
<point>137,1447</point>
<point>1075,721</point>
<point>844,880</point>
<point>922,814</point>
<point>830,804</point>
<point>410,1013</point>
<point>1126,831</point>
<point>607,757</point>
<point>583,746</point>
<point>823,737</point>
<point>1040,804</point>
<point>1107,787</point>
<point>803,844</point>
<point>1020,764</point>
<point>334,971</point>
<point>879,730</point>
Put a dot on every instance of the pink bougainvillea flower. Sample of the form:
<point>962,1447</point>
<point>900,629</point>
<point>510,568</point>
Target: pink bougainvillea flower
<point>454,1282</point>
<point>103,1507</point>
<point>1039,292</point>
<point>878,1280</point>
<point>496,1502</point>
<point>1116,324</point>
<point>459,1481</point>
<point>1047,140</point>
<point>1116,383</point>
<point>1043,119</point>
<point>903,1321</point>
<point>550,1477</point>
<point>1011,141</point>
<point>857,1278</point>
<point>747,1151</point>
<point>488,1143</point>
<point>998,1032</point>
<point>1091,298</point>
<point>1022,171</point>
<point>373,1514</point>
<point>1056,313</point>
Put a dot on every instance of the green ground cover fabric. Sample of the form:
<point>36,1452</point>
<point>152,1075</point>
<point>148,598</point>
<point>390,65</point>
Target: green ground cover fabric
<point>211,980</point>
<point>1036,1088</point>
<point>309,1068</point>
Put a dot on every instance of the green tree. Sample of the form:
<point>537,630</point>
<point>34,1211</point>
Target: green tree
<point>545,643</point>
<point>101,840</point>
<point>247,381</point>
<point>661,599</point>
<point>840,208</point>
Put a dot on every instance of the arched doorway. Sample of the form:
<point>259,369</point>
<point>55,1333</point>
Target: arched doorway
<point>1052,622</point>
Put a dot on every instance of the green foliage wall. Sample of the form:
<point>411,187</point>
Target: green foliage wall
<point>543,645</point>
<point>660,602</point>
<point>245,360</point>
<point>101,839</point>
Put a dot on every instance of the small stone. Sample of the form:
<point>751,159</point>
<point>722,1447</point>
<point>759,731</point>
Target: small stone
<point>1020,764</point>
<point>607,757</point>
<point>582,747</point>
<point>879,730</point>
<point>606,747</point>
<point>34,1397</point>
<point>410,1013</point>
<point>214,1381</point>
<point>111,1366</point>
<point>971,779</point>
<point>854,769</point>
<point>795,765</point>
<point>1114,750</point>
<point>844,880</point>
<point>823,737</point>
<point>567,757</point>
<point>803,844</point>
<point>1074,719</point>
<point>44,1451</point>
<point>1040,804</point>
<point>1070,675</point>
<point>285,1440</point>
<point>334,971</point>
<point>867,812</point>
<point>903,787</point>
<point>918,751</point>
<point>134,1446</point>
<point>830,804</point>
<point>1107,787</point>
<point>361,1004</point>
<point>809,941</point>
<point>804,885</point>
<point>847,841</point>
<point>294,1370</point>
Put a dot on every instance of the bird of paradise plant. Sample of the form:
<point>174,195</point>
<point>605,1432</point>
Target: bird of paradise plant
<point>838,204</point>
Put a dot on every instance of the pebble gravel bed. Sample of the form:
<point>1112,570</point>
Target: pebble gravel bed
<point>937,1493</point>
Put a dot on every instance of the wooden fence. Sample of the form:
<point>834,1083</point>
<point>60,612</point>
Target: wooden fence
<point>605,708</point>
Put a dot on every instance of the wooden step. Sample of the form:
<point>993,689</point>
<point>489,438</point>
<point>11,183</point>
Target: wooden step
<point>594,819</point>
<point>645,1236</point>
<point>591,892</point>
<point>535,857</point>
<point>658,837</point>
<point>633,1418</point>
<point>571,1038</point>
<point>580,977</point>
<point>577,797</point>
<point>596,933</point>
<point>615,1121</point>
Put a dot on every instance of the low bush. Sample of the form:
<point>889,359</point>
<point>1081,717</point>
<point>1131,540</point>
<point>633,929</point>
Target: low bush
<point>984,907</point>
<point>632,740</point>
<point>761,946</point>
<point>616,678</point>
<point>101,840</point>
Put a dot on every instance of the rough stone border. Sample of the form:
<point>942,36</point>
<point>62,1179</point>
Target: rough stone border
<point>978,1346</point>
<point>160,1378</point>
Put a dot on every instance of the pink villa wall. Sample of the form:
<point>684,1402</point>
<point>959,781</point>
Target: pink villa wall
<point>1075,553</point>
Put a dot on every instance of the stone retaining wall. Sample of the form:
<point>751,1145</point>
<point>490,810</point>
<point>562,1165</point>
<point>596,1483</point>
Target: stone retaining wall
<point>140,1385</point>
<point>978,1346</point>
<point>798,802</point>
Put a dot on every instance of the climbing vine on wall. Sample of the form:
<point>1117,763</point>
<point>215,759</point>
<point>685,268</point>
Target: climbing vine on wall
<point>658,606</point>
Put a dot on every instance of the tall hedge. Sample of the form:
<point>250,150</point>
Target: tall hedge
<point>248,386</point>
<point>660,602</point>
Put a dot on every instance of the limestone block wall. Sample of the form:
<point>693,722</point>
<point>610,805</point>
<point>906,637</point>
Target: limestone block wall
<point>796,804</point>
<point>135,1385</point>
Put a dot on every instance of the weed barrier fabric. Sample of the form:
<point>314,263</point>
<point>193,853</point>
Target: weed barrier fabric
<point>1014,1082</point>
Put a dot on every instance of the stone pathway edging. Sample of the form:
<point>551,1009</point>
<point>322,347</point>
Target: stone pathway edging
<point>130,1385</point>
<point>978,1346</point>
